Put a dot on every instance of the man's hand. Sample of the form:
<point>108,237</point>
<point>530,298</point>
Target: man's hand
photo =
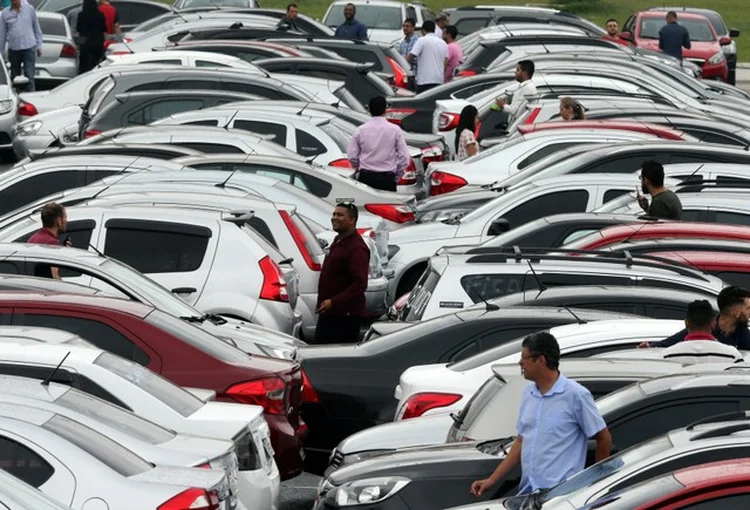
<point>644,345</point>
<point>642,201</point>
<point>324,307</point>
<point>38,52</point>
<point>500,102</point>
<point>481,486</point>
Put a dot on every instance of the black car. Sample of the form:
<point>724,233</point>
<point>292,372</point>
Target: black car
<point>140,108</point>
<point>353,384</point>
<point>473,18</point>
<point>143,150</point>
<point>359,79</point>
<point>440,476</point>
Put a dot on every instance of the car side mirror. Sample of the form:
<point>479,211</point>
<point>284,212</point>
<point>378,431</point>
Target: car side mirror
<point>725,41</point>
<point>626,36</point>
<point>733,32</point>
<point>20,81</point>
<point>499,226</point>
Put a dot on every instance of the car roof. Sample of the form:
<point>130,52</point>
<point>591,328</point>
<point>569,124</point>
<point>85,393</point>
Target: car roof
<point>677,228</point>
<point>642,127</point>
<point>714,473</point>
<point>603,292</point>
<point>105,305</point>
<point>27,387</point>
<point>17,282</point>
<point>540,311</point>
<point>49,353</point>
<point>37,334</point>
<point>676,382</point>
<point>607,327</point>
<point>682,15</point>
<point>193,200</point>
<point>603,368</point>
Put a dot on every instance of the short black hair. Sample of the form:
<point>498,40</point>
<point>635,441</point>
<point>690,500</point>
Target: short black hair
<point>377,106</point>
<point>672,14</point>
<point>730,297</point>
<point>544,344</point>
<point>700,314</point>
<point>654,172</point>
<point>351,209</point>
<point>610,20</point>
<point>428,26</point>
<point>351,5</point>
<point>452,31</point>
<point>50,213</point>
<point>527,66</point>
<point>289,6</point>
<point>411,21</point>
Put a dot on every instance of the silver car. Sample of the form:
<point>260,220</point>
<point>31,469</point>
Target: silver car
<point>59,60</point>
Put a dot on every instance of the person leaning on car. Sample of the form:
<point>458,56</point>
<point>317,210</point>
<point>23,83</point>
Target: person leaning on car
<point>556,418</point>
<point>54,223</point>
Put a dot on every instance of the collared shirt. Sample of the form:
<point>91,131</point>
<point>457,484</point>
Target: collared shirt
<point>739,338</point>
<point>672,38</point>
<point>20,30</point>
<point>699,336</point>
<point>702,349</point>
<point>406,44</point>
<point>438,31</point>
<point>455,58</point>
<point>44,236</point>
<point>521,96</point>
<point>343,278</point>
<point>352,30</point>
<point>554,429</point>
<point>431,52</point>
<point>379,146</point>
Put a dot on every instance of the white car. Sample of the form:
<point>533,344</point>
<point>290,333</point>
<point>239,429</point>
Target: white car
<point>46,130</point>
<point>131,386</point>
<point>383,18</point>
<point>182,58</point>
<point>16,494</point>
<point>580,340</point>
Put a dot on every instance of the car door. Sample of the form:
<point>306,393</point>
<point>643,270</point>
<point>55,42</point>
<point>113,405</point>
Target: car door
<point>175,255</point>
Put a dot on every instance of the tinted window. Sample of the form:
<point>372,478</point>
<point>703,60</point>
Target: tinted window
<point>623,165</point>
<point>101,335</point>
<point>543,153</point>
<point>676,312</point>
<point>21,462</point>
<point>206,63</point>
<point>735,278</point>
<point>203,123</point>
<point>132,13</point>
<point>52,26</point>
<point>38,186</point>
<point>212,148</point>
<point>693,215</point>
<point>611,194</point>
<point>261,227</point>
<point>732,218</point>
<point>488,286</point>
<point>714,137</point>
<point>734,502</point>
<point>257,90</point>
<point>308,145</point>
<point>546,205</point>
<point>264,128</point>
<point>166,62</point>
<point>163,108</point>
<point>469,25</point>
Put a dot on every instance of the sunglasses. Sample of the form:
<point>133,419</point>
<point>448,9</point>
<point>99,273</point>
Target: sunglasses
<point>347,204</point>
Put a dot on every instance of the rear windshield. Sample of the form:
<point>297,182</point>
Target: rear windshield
<point>373,16</point>
<point>337,133</point>
<point>420,295</point>
<point>179,400</point>
<point>52,26</point>
<point>98,94</point>
<point>481,399</point>
<point>495,354</point>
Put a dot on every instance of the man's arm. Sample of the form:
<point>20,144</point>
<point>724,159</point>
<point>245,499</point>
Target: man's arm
<point>661,39</point>
<point>402,153</point>
<point>510,461</point>
<point>603,444</point>
<point>359,263</point>
<point>55,273</point>
<point>3,33</point>
<point>37,31</point>
<point>416,49</point>
<point>353,151</point>
<point>686,40</point>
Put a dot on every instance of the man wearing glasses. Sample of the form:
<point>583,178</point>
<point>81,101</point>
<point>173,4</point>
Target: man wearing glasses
<point>343,281</point>
<point>665,204</point>
<point>556,418</point>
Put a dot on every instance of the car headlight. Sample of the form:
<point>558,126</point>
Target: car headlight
<point>6,106</point>
<point>29,128</point>
<point>367,491</point>
<point>716,58</point>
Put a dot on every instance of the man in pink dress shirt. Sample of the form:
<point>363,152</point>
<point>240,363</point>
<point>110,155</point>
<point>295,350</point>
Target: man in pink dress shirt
<point>378,149</point>
<point>455,53</point>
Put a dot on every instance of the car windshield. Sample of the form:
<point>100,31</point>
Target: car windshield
<point>699,29</point>
<point>52,26</point>
<point>179,400</point>
<point>115,417</point>
<point>373,16</point>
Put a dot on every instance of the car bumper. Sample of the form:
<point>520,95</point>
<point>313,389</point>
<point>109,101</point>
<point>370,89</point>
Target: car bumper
<point>287,444</point>
<point>63,69</point>
<point>715,71</point>
<point>392,503</point>
<point>23,145</point>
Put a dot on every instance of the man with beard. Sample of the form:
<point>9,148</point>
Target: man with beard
<point>729,328</point>
<point>54,223</point>
<point>664,203</point>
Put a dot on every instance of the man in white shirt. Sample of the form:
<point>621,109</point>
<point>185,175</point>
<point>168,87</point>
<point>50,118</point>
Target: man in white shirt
<point>432,53</point>
<point>527,89</point>
<point>442,20</point>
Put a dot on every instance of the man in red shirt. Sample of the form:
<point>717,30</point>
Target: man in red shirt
<point>613,32</point>
<point>110,16</point>
<point>343,281</point>
<point>54,223</point>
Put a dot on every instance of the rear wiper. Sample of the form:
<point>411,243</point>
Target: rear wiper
<point>213,318</point>
<point>457,419</point>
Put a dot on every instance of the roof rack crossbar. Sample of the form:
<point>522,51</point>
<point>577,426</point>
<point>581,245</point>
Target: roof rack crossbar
<point>721,431</point>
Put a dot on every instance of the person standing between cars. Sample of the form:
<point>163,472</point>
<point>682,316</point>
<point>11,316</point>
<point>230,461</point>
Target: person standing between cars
<point>405,46</point>
<point>527,89</point>
<point>432,53</point>
<point>455,53</point>
<point>343,280</point>
<point>54,224</point>
<point>377,150</point>
<point>673,37</point>
<point>110,14</point>
<point>442,20</point>
<point>665,203</point>
<point>351,28</point>
<point>466,142</point>
<point>91,26</point>
<point>729,328</point>
<point>289,21</point>
<point>556,418</point>
<point>570,109</point>
<point>19,28</point>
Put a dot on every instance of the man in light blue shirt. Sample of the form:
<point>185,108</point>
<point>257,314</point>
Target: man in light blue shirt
<point>556,418</point>
<point>19,28</point>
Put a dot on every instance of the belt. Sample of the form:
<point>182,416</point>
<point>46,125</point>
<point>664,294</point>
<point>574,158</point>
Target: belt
<point>377,171</point>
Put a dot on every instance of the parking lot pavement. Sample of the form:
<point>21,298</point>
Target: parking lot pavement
<point>299,493</point>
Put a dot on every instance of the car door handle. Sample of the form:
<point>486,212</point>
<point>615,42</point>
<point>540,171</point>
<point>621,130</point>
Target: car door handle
<point>184,290</point>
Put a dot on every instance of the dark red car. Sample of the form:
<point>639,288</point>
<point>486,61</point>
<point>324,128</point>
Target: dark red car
<point>178,351</point>
<point>733,268</point>
<point>662,132</point>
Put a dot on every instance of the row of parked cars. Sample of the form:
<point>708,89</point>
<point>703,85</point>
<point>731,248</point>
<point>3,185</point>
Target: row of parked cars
<point>199,165</point>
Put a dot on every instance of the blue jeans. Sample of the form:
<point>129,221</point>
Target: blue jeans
<point>28,59</point>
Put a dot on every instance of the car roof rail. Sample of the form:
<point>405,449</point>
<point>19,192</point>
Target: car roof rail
<point>721,431</point>
<point>717,418</point>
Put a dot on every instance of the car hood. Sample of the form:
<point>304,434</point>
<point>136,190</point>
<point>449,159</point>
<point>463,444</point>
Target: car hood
<point>427,430</point>
<point>422,232</point>
<point>699,49</point>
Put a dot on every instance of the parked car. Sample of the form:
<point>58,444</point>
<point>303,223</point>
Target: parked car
<point>470,19</point>
<point>16,493</point>
<point>383,18</point>
<point>130,12</point>
<point>249,51</point>
<point>59,59</point>
<point>181,58</point>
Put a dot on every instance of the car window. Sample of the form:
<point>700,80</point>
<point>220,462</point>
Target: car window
<point>262,228</point>
<point>713,136</point>
<point>166,62</point>
<point>426,14</point>
<point>163,108</point>
<point>37,186</point>
<point>177,251</point>
<point>543,152</point>
<point>546,205</point>
<point>23,463</point>
<point>132,13</point>
<point>488,286</point>
<point>212,148</point>
<point>655,311</point>
<point>308,145</point>
<point>611,194</point>
<point>52,26</point>
<point>735,278</point>
<point>732,218</point>
<point>101,335</point>
<point>470,25</point>
<point>208,122</point>
<point>256,90</point>
<point>208,63</point>
<point>278,131</point>
<point>337,130</point>
<point>623,165</point>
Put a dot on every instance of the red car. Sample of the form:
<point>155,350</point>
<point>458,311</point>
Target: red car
<point>721,485</point>
<point>642,30</point>
<point>665,133</point>
<point>640,231</point>
<point>733,268</point>
<point>178,351</point>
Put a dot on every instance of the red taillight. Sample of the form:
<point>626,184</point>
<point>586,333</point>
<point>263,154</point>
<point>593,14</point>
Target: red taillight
<point>410,175</point>
<point>205,465</point>
<point>122,53</point>
<point>466,72</point>
<point>274,286</point>
<point>27,109</point>
<point>269,393</point>
<point>532,116</point>
<point>400,77</point>
<point>300,240</point>
<point>193,499</point>
<point>366,232</point>
<point>432,153</point>
<point>68,51</point>
<point>397,213</point>
<point>341,163</point>
<point>448,121</point>
<point>420,403</point>
<point>308,392</point>
<point>91,132</point>
<point>441,182</point>
<point>397,115</point>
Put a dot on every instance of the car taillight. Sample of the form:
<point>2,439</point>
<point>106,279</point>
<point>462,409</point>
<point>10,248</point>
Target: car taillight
<point>274,286</point>
<point>366,232</point>
<point>532,116</point>
<point>420,403</point>
<point>68,51</point>
<point>193,499</point>
<point>300,240</point>
<point>268,393</point>
<point>441,182</point>
<point>397,213</point>
<point>205,465</point>
<point>410,175</point>
<point>26,109</point>
<point>308,392</point>
<point>448,121</point>
<point>400,77</point>
<point>466,72</point>
<point>397,115</point>
<point>432,153</point>
<point>341,163</point>
<point>91,132</point>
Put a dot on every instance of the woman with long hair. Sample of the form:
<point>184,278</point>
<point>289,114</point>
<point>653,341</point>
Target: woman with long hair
<point>466,142</point>
<point>91,26</point>
<point>570,109</point>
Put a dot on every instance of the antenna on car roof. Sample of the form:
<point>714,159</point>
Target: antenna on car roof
<point>488,307</point>
<point>96,250</point>
<point>52,374</point>
<point>539,283</point>
<point>223,184</point>
<point>311,100</point>
<point>226,126</point>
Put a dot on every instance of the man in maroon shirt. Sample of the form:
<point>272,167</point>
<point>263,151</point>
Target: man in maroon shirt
<point>343,281</point>
<point>54,222</point>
